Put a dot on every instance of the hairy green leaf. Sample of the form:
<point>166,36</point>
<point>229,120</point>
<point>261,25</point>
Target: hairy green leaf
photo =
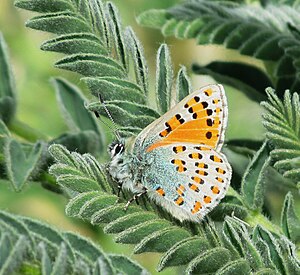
<point>91,65</point>
<point>237,267</point>
<point>100,22</point>
<point>282,122</point>
<point>247,144</point>
<point>183,84</point>
<point>125,265</point>
<point>247,249</point>
<point>139,61</point>
<point>133,219</point>
<point>114,88</point>
<point>53,251</point>
<point>272,246</point>
<point>161,240</point>
<point>60,264</point>
<point>59,23</point>
<point>266,33</point>
<point>183,252</point>
<point>75,43</point>
<point>82,142</point>
<point>45,260</point>
<point>230,204</point>
<point>248,79</point>
<point>153,18</point>
<point>117,35</point>
<point>44,6</point>
<point>290,223</point>
<point>15,253</point>
<point>254,179</point>
<point>72,102</point>
<point>126,113</point>
<point>209,261</point>
<point>20,163</point>
<point>164,77</point>
<point>7,85</point>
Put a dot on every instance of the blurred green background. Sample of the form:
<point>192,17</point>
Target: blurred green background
<point>37,105</point>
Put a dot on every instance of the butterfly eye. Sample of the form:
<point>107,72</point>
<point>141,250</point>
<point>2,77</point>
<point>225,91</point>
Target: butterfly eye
<point>116,149</point>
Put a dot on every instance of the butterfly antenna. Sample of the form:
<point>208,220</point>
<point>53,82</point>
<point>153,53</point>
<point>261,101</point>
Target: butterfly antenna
<point>115,128</point>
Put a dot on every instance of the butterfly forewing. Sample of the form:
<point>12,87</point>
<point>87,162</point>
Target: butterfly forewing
<point>200,118</point>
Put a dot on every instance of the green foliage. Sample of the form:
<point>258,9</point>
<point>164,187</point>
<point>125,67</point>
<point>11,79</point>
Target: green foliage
<point>20,163</point>
<point>282,121</point>
<point>7,85</point>
<point>71,102</point>
<point>252,182</point>
<point>268,33</point>
<point>164,77</point>
<point>27,245</point>
<point>289,221</point>
<point>93,38</point>
<point>23,160</point>
<point>111,61</point>
<point>200,247</point>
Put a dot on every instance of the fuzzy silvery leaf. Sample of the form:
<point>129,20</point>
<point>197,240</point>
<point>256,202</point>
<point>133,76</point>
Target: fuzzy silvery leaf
<point>7,85</point>
<point>164,78</point>
<point>126,113</point>
<point>253,182</point>
<point>140,64</point>
<point>100,22</point>
<point>282,122</point>
<point>290,223</point>
<point>75,43</point>
<point>267,33</point>
<point>246,78</point>
<point>45,259</point>
<point>183,252</point>
<point>71,102</point>
<point>113,88</point>
<point>125,265</point>
<point>117,34</point>
<point>12,254</point>
<point>44,6</point>
<point>272,247</point>
<point>209,261</point>
<point>183,84</point>
<point>151,243</point>
<point>59,23</point>
<point>55,252</point>
<point>91,65</point>
<point>82,142</point>
<point>239,266</point>
<point>21,161</point>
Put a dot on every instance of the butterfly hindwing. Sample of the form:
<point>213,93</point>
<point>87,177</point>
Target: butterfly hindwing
<point>188,180</point>
<point>200,118</point>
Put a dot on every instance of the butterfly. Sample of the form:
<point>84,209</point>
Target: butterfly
<point>176,160</point>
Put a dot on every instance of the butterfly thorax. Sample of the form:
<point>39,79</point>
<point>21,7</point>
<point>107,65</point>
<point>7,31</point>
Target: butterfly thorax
<point>126,168</point>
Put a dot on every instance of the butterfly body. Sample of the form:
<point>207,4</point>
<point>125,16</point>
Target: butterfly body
<point>176,160</point>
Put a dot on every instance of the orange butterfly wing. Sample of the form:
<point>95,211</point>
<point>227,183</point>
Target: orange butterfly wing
<point>200,118</point>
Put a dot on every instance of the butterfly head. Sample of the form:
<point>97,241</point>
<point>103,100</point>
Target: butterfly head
<point>116,148</point>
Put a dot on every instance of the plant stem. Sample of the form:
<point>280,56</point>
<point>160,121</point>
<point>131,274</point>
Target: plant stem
<point>25,131</point>
<point>256,218</point>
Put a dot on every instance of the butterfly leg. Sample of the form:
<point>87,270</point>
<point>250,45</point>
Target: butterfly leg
<point>119,190</point>
<point>134,198</point>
